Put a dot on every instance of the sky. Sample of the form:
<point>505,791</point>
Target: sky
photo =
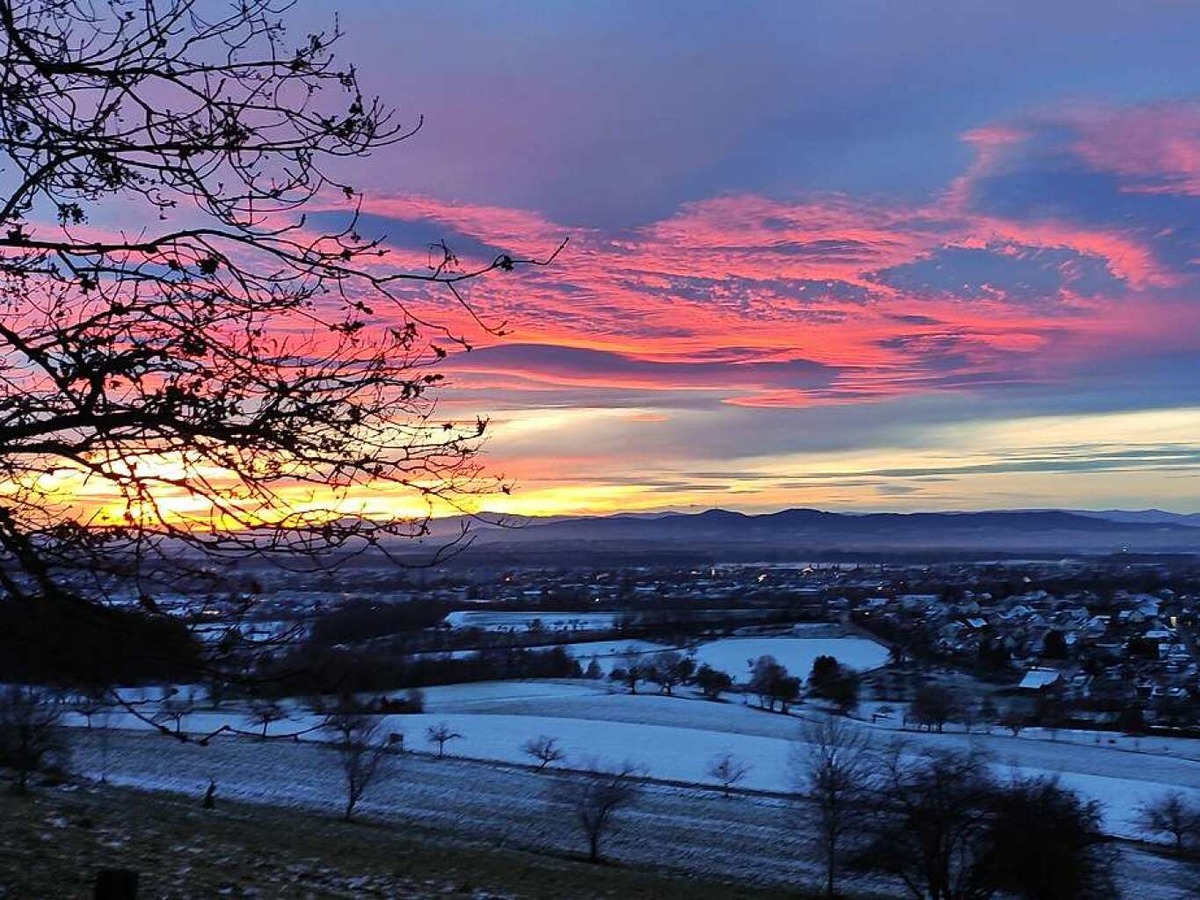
<point>850,254</point>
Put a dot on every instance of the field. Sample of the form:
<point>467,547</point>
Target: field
<point>487,788</point>
<point>679,826</point>
<point>501,620</point>
<point>731,655</point>
<point>674,739</point>
<point>797,654</point>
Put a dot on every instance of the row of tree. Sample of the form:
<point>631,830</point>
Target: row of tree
<point>944,825</point>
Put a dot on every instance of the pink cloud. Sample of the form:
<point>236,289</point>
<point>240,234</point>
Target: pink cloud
<point>754,280</point>
<point>1155,147</point>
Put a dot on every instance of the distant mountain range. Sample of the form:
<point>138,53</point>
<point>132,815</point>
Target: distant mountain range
<point>800,532</point>
<point>1146,516</point>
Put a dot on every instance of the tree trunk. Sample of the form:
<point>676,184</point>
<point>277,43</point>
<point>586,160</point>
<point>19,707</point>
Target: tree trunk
<point>116,884</point>
<point>830,857</point>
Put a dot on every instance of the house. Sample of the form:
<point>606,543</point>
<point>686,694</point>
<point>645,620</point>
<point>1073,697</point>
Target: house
<point>1038,679</point>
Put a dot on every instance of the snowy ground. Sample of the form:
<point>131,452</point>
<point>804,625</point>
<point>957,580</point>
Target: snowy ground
<point>608,654</point>
<point>675,738</point>
<point>749,838</point>
<point>507,620</point>
<point>733,655</point>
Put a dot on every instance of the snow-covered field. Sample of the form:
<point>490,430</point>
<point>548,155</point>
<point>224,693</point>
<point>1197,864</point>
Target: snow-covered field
<point>502,620</point>
<point>675,739</point>
<point>733,655</point>
<point>610,654</point>
<point>751,838</point>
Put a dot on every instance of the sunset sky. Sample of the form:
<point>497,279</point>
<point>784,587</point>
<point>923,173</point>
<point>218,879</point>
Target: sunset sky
<point>834,253</point>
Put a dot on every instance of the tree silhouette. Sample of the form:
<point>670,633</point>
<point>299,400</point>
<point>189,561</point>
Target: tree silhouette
<point>200,349</point>
<point>441,734</point>
<point>596,797</point>
<point>543,749</point>
<point>831,768</point>
<point>360,748</point>
<point>1172,813</point>
<point>728,770</point>
<point>30,735</point>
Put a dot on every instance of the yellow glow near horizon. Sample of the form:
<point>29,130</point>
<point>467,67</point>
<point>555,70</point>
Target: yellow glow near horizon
<point>958,466</point>
<point>1062,460</point>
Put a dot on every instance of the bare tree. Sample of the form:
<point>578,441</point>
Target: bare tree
<point>173,709</point>
<point>104,738</point>
<point>669,669</point>
<point>361,750</point>
<point>90,704</point>
<point>832,768</point>
<point>632,670</point>
<point>928,823</point>
<point>728,770</point>
<point>1174,814</point>
<point>263,712</point>
<point>1013,721</point>
<point>933,706</point>
<point>1044,840</point>
<point>947,829</point>
<point>596,797</point>
<point>441,734</point>
<point>30,735</point>
<point>544,749</point>
<point>228,371</point>
<point>989,712</point>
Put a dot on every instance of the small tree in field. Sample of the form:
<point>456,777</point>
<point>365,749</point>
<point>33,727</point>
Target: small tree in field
<point>989,713</point>
<point>29,731</point>
<point>669,669</point>
<point>770,681</point>
<point>831,768</point>
<point>1044,840</point>
<point>596,798</point>
<point>934,706</point>
<point>728,770</point>
<point>173,709</point>
<point>441,734</point>
<point>90,704</point>
<point>544,749</point>
<point>713,682</point>
<point>360,748</point>
<point>264,712</point>
<point>1173,814</point>
<point>927,822</point>
<point>1014,722</point>
<point>632,670</point>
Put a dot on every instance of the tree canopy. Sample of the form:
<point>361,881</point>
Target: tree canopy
<point>202,353</point>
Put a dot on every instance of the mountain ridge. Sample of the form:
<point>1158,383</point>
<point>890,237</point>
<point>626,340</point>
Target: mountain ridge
<point>802,529</point>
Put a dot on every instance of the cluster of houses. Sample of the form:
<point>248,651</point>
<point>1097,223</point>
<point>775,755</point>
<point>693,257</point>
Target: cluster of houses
<point>1102,660</point>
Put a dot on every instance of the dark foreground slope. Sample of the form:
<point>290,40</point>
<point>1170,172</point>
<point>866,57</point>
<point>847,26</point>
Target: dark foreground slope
<point>55,841</point>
